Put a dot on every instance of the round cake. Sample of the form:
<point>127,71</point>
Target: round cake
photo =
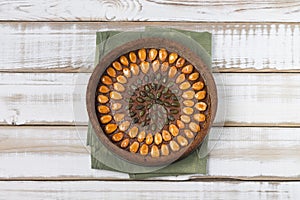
<point>151,101</point>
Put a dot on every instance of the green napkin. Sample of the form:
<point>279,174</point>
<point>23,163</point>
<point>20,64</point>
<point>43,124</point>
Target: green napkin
<point>102,158</point>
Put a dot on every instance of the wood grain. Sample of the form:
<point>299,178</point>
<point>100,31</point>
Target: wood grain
<point>151,190</point>
<point>150,10</point>
<point>59,153</point>
<point>251,99</point>
<point>70,47</point>
<point>248,36</point>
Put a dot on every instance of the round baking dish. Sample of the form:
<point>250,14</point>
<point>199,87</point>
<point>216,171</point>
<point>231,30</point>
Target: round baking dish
<point>151,101</point>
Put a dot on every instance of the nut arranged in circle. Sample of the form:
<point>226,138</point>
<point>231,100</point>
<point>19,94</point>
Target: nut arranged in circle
<point>152,102</point>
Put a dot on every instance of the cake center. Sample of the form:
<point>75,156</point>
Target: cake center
<point>153,105</point>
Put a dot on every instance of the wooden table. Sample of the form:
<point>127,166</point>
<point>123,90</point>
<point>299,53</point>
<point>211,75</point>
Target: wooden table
<point>46,45</point>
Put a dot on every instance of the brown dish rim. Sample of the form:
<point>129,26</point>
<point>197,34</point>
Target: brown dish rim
<point>157,43</point>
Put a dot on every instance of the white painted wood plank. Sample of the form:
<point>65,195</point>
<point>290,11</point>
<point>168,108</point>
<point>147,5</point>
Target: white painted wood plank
<point>51,152</point>
<point>47,98</point>
<point>70,46</point>
<point>148,190</point>
<point>261,99</point>
<point>256,152</point>
<point>42,98</point>
<point>47,152</point>
<point>150,10</point>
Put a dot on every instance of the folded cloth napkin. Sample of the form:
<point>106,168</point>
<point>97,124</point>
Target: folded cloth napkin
<point>101,157</point>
